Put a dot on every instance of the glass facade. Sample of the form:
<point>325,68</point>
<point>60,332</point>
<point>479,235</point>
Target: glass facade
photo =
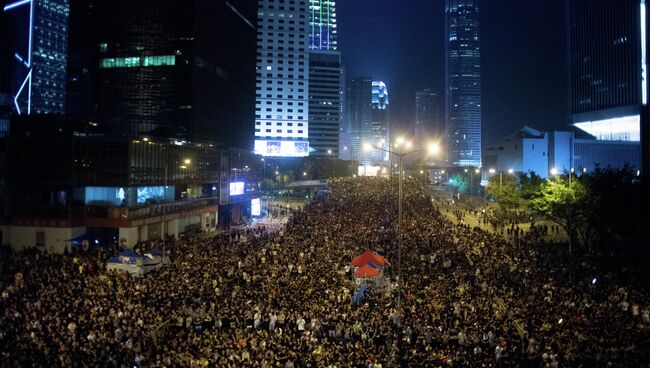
<point>428,119</point>
<point>40,55</point>
<point>324,102</point>
<point>136,61</point>
<point>322,24</point>
<point>463,83</point>
<point>358,110</point>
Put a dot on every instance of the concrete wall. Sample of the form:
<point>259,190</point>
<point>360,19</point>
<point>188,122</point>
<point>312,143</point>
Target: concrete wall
<point>535,156</point>
<point>55,239</point>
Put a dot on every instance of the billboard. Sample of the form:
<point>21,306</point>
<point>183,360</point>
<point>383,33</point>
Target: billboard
<point>237,188</point>
<point>256,208</point>
<point>282,148</point>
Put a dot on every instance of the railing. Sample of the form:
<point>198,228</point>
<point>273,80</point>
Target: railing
<point>160,209</point>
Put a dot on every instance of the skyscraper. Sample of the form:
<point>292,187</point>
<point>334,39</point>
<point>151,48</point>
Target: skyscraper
<point>325,81</point>
<point>39,44</point>
<point>428,119</point>
<point>282,104</point>
<point>173,67</point>
<point>608,41</point>
<point>379,129</point>
<point>463,83</point>
<point>324,102</point>
<point>322,23</point>
<point>358,110</point>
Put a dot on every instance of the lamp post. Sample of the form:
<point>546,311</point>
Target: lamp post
<point>433,149</point>
<point>329,153</point>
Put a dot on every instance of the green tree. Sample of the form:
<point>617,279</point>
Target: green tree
<point>460,182</point>
<point>564,204</point>
<point>530,185</point>
<point>504,189</point>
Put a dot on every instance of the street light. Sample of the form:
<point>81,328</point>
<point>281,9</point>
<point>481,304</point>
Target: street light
<point>431,149</point>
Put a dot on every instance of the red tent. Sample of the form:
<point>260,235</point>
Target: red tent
<point>367,271</point>
<point>366,257</point>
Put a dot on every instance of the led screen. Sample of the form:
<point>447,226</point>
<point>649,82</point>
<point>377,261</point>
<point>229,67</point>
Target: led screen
<point>237,188</point>
<point>256,208</point>
<point>282,148</point>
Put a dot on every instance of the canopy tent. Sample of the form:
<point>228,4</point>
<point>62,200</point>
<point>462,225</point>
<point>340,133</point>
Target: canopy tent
<point>136,264</point>
<point>367,271</point>
<point>369,257</point>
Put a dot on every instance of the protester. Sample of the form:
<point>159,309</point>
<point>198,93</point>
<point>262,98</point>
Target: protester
<point>469,298</point>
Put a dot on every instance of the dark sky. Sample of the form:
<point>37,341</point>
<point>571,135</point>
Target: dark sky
<point>523,57</point>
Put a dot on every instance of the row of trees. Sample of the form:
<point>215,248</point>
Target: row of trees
<point>606,211</point>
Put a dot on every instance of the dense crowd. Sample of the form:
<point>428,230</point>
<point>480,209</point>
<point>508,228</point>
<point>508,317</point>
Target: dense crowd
<point>469,298</point>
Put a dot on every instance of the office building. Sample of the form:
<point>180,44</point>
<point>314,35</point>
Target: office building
<point>358,110</point>
<point>322,25</point>
<point>84,181</point>
<point>379,130</point>
<point>38,32</point>
<point>463,83</point>
<point>324,103</point>
<point>428,118</point>
<point>608,43</point>
<point>169,66</point>
<point>531,150</point>
<point>282,96</point>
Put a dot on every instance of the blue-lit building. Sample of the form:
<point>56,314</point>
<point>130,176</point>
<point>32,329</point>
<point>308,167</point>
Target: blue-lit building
<point>322,25</point>
<point>39,41</point>
<point>463,83</point>
<point>379,129</point>
<point>325,81</point>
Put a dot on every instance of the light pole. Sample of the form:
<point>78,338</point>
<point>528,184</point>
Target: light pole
<point>433,149</point>
<point>329,153</point>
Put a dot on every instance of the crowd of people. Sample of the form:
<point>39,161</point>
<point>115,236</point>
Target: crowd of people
<point>468,298</point>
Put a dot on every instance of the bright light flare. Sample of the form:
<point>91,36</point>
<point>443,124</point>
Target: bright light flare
<point>433,148</point>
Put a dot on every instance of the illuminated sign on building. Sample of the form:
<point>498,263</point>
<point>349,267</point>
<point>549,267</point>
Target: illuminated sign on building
<point>256,208</point>
<point>282,148</point>
<point>237,188</point>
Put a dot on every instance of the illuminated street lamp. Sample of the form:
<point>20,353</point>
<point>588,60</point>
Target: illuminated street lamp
<point>432,148</point>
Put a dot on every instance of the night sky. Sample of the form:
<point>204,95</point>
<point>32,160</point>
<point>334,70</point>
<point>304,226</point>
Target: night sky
<point>523,57</point>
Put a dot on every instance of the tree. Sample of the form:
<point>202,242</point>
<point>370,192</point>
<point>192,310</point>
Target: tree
<point>504,189</point>
<point>530,185</point>
<point>563,204</point>
<point>460,182</point>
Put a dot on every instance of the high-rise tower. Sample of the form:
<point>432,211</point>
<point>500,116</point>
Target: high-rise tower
<point>322,25</point>
<point>463,83</point>
<point>282,103</point>
<point>428,119</point>
<point>325,80</point>
<point>608,52</point>
<point>40,29</point>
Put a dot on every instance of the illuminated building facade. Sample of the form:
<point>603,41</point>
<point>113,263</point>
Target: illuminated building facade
<point>608,41</point>
<point>379,129</point>
<point>463,83</point>
<point>282,84</point>
<point>322,24</point>
<point>39,44</point>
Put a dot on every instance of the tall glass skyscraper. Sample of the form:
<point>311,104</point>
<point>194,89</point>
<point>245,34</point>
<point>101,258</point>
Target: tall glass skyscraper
<point>322,25</point>
<point>358,110</point>
<point>463,83</point>
<point>609,88</point>
<point>379,129</point>
<point>428,120</point>
<point>40,46</point>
